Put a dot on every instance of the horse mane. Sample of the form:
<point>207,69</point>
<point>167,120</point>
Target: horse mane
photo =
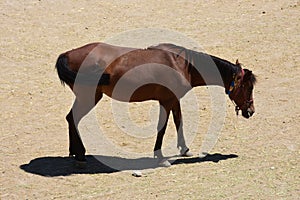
<point>194,58</point>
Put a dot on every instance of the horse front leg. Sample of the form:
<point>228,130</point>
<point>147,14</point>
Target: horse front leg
<point>176,111</point>
<point>164,112</point>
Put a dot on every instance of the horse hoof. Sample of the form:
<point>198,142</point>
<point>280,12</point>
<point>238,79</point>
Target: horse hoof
<point>164,163</point>
<point>186,153</point>
<point>203,155</point>
<point>80,164</point>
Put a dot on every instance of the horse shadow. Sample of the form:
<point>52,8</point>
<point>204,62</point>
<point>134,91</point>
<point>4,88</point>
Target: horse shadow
<point>99,164</point>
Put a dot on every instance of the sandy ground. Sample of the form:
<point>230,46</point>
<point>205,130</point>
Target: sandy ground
<point>253,159</point>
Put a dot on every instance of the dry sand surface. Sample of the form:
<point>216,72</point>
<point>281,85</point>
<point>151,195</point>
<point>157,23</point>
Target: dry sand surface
<point>257,158</point>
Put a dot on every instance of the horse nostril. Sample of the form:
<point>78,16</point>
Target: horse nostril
<point>250,112</point>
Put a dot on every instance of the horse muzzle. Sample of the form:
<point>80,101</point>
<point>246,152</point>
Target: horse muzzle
<point>247,113</point>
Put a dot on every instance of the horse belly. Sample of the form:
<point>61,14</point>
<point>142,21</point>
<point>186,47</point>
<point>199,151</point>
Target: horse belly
<point>138,93</point>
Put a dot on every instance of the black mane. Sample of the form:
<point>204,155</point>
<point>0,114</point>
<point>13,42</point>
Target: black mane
<point>198,60</point>
<point>201,61</point>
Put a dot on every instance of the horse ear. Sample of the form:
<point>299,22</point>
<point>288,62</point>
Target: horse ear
<point>248,74</point>
<point>237,62</point>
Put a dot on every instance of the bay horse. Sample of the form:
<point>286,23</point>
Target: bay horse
<point>165,73</point>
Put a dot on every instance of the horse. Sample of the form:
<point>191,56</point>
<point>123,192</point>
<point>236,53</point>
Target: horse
<point>164,73</point>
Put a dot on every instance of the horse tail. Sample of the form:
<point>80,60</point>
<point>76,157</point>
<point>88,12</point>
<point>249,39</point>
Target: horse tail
<point>68,76</point>
<point>64,73</point>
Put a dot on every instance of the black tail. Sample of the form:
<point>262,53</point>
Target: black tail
<point>67,76</point>
<point>64,73</point>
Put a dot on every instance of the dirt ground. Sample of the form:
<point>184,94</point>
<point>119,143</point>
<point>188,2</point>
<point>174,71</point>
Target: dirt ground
<point>257,158</point>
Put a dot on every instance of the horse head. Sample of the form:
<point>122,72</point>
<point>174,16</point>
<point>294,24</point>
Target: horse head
<point>242,91</point>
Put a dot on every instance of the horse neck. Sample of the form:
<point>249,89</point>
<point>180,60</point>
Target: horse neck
<point>211,70</point>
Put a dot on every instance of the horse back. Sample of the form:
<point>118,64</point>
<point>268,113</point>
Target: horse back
<point>94,55</point>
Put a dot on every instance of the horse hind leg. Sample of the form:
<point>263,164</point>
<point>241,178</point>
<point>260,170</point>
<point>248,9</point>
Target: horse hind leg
<point>76,147</point>
<point>80,108</point>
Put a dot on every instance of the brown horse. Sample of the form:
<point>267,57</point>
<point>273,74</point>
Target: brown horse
<point>164,73</point>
